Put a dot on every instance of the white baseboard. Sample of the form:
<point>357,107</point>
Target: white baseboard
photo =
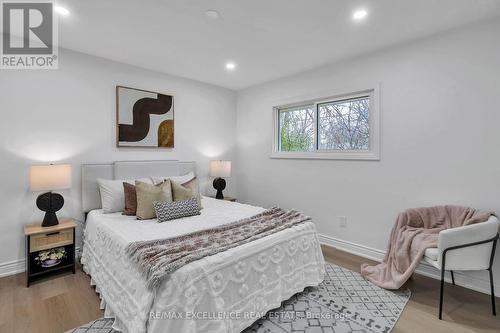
<point>19,266</point>
<point>461,278</point>
<point>12,267</point>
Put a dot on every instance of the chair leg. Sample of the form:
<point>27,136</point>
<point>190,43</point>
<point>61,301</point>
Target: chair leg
<point>452,278</point>
<point>493,308</point>
<point>441,295</point>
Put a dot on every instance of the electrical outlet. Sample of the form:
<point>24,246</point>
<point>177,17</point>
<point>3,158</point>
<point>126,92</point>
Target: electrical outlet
<point>343,221</point>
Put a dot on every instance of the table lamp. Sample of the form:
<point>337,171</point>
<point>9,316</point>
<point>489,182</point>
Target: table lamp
<point>220,169</point>
<point>49,178</point>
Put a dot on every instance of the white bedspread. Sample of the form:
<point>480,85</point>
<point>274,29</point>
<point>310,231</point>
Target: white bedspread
<point>236,285</point>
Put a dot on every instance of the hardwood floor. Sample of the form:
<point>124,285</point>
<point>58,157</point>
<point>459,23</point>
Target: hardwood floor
<point>61,303</point>
<point>52,305</point>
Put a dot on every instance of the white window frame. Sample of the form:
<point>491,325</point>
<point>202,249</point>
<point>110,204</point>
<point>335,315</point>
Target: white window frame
<point>373,153</point>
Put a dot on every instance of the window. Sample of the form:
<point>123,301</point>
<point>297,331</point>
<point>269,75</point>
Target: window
<point>344,127</point>
<point>297,128</point>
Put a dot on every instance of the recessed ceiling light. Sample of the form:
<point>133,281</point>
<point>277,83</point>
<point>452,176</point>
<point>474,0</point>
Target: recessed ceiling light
<point>212,14</point>
<point>230,66</point>
<point>359,14</point>
<point>61,10</point>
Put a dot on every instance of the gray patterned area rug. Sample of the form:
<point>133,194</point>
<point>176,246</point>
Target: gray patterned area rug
<point>343,303</point>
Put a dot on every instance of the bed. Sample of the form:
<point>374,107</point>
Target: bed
<point>225,292</point>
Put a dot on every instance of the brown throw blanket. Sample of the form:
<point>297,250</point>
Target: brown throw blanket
<point>159,258</point>
<point>416,230</point>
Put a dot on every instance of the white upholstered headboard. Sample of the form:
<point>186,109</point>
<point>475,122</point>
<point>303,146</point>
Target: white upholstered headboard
<point>91,199</point>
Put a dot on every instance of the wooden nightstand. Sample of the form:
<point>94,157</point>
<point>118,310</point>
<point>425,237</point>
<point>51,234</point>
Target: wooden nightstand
<point>40,239</point>
<point>227,199</point>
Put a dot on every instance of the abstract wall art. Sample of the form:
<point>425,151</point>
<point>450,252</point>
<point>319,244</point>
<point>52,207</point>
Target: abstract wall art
<point>144,118</point>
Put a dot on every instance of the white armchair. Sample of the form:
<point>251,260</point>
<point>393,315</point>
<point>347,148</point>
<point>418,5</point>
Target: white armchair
<point>467,248</point>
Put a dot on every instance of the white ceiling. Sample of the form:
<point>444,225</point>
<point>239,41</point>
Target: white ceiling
<point>267,39</point>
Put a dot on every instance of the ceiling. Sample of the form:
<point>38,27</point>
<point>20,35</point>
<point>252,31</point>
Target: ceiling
<point>267,39</point>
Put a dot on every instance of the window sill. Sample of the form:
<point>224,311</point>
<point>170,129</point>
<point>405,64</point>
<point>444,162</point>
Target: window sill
<point>358,156</point>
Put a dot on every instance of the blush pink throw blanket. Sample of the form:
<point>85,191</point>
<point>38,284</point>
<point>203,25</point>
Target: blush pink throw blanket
<point>416,230</point>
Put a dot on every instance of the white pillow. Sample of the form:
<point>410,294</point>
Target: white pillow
<point>178,179</point>
<point>113,195</point>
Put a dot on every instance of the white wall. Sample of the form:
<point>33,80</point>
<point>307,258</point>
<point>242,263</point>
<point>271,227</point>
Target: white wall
<point>440,139</point>
<point>68,116</point>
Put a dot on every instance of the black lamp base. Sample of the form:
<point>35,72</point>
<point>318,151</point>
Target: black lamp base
<point>219,185</point>
<point>50,203</point>
<point>50,219</point>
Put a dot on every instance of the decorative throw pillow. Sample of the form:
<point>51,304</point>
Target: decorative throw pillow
<point>112,194</point>
<point>193,184</point>
<point>167,211</point>
<point>130,199</point>
<point>147,194</point>
<point>180,192</point>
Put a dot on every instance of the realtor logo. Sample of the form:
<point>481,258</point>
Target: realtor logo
<point>29,39</point>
